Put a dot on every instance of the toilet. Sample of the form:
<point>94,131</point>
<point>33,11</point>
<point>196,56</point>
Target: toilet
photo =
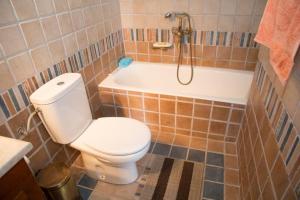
<point>110,146</point>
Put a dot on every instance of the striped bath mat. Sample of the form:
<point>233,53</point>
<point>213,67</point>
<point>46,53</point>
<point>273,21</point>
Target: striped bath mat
<point>161,178</point>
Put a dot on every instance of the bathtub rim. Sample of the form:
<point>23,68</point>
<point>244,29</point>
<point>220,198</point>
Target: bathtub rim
<point>240,101</point>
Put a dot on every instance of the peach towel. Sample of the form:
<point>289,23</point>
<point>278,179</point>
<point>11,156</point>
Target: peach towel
<point>279,30</point>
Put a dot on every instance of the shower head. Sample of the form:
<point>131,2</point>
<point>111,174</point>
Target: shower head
<point>173,15</point>
<point>168,14</point>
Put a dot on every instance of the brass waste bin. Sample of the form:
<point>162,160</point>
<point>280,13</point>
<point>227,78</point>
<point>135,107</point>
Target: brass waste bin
<point>57,182</point>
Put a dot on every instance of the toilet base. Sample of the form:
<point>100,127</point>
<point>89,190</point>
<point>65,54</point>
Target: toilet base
<point>117,174</point>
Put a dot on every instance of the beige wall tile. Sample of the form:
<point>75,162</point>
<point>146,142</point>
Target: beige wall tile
<point>12,40</point>
<point>60,5</point>
<point>82,39</point>
<point>291,96</point>
<point>21,66</point>
<point>242,23</point>
<point>100,30</point>
<point>166,6</point>
<point>225,23</point>
<point>211,6</point>
<point>70,44</point>
<point>6,78</point>
<point>245,7</point>
<point>57,50</point>
<point>196,7</point>
<point>210,22</point>
<point>44,7</point>
<point>6,13</point>
<point>77,19</point>
<point>259,7</point>
<point>89,16</point>
<point>51,29</point>
<point>108,27</point>
<point>33,33</point>
<point>65,23</point>
<point>255,23</point>
<point>25,9</point>
<point>151,7</point>
<point>125,6</point>
<point>41,58</point>
<point>296,118</point>
<point>197,21</point>
<point>181,6</point>
<point>127,21</point>
<point>92,34</point>
<point>74,3</point>
<point>228,7</point>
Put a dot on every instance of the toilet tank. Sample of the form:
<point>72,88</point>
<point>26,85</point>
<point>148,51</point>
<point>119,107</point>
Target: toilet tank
<point>64,107</point>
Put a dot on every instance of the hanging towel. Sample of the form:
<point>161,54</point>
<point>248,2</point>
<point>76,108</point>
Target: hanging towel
<point>279,30</point>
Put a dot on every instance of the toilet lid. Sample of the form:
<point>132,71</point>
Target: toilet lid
<point>117,136</point>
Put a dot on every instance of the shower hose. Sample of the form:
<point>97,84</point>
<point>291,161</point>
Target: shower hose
<point>180,61</point>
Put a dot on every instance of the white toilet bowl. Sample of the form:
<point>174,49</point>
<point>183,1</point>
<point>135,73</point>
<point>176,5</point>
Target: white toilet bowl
<point>110,147</point>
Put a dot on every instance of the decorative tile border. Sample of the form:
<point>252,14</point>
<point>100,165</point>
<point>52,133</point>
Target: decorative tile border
<point>15,99</point>
<point>268,143</point>
<point>281,121</point>
<point>208,38</point>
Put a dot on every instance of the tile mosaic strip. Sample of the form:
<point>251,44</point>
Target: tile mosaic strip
<point>283,127</point>
<point>14,99</point>
<point>211,38</point>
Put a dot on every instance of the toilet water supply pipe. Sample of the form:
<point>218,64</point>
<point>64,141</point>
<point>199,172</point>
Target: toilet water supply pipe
<point>36,111</point>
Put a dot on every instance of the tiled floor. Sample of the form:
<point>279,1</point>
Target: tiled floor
<point>169,172</point>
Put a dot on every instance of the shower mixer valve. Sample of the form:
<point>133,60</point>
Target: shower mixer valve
<point>180,32</point>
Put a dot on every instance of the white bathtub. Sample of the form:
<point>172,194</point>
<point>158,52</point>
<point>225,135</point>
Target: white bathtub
<point>217,84</point>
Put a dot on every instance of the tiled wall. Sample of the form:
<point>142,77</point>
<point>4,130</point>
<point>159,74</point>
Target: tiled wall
<point>186,122</point>
<point>41,39</point>
<point>268,143</point>
<point>223,31</point>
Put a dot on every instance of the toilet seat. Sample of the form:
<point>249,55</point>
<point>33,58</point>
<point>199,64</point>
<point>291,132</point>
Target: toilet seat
<point>114,138</point>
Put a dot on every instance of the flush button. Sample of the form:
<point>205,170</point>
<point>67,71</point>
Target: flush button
<point>60,83</point>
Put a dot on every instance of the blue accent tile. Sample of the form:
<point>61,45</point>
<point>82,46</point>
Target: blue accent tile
<point>215,159</point>
<point>225,38</point>
<point>211,38</point>
<point>14,99</point>
<point>55,70</point>
<point>242,40</point>
<point>161,149</point>
<point>218,36</point>
<point>196,155</point>
<point>84,193</point>
<point>42,77</point>
<point>88,182</point>
<point>292,151</point>
<point>24,96</point>
<point>49,73</point>
<point>4,108</point>
<point>213,190</point>
<point>178,152</point>
<point>214,174</point>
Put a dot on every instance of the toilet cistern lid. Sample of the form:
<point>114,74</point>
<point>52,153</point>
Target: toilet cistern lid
<point>117,136</point>
<point>54,89</point>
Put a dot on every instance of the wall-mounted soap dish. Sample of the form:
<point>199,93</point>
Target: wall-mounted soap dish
<point>162,45</point>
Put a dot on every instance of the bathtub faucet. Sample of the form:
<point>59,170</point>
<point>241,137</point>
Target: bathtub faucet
<point>180,32</point>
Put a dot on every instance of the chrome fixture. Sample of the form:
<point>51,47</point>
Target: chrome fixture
<point>180,32</point>
<point>25,131</point>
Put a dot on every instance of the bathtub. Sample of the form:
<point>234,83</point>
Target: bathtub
<point>215,84</point>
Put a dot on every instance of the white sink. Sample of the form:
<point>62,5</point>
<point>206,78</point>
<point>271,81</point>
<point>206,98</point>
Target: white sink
<point>11,152</point>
